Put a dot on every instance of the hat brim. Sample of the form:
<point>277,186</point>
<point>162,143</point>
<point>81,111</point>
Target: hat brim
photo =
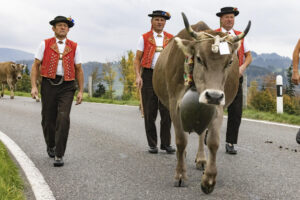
<point>158,15</point>
<point>70,23</point>
<point>219,14</point>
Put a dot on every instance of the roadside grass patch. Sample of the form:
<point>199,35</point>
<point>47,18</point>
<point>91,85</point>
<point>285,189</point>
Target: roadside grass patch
<point>11,184</point>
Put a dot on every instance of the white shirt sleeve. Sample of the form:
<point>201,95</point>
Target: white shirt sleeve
<point>246,46</point>
<point>140,45</point>
<point>40,51</point>
<point>77,58</point>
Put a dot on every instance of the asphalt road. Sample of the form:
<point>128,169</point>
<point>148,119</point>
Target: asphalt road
<point>107,157</point>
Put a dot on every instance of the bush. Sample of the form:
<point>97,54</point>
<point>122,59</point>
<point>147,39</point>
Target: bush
<point>264,101</point>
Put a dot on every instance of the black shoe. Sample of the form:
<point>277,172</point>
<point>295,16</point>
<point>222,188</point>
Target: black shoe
<point>153,150</point>
<point>168,149</point>
<point>58,162</point>
<point>230,149</point>
<point>298,137</point>
<point>51,152</point>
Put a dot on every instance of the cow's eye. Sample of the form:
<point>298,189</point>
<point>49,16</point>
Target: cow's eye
<point>230,62</point>
<point>199,60</point>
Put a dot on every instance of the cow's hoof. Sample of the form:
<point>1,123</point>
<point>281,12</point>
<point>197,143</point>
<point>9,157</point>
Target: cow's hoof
<point>180,183</point>
<point>11,97</point>
<point>37,100</point>
<point>200,166</point>
<point>207,189</point>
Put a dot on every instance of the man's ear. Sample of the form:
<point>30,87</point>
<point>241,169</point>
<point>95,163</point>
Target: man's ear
<point>185,45</point>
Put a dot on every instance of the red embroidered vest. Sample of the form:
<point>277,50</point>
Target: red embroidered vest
<point>51,58</point>
<point>150,47</point>
<point>241,54</point>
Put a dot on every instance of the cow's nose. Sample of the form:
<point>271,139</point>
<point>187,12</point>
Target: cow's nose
<point>214,97</point>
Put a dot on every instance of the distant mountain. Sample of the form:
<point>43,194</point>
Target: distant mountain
<point>262,64</point>
<point>7,54</point>
<point>273,61</point>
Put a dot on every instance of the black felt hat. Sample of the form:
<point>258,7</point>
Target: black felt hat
<point>228,10</point>
<point>160,13</point>
<point>68,20</point>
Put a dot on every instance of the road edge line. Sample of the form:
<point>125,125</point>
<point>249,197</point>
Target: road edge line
<point>38,184</point>
<point>268,122</point>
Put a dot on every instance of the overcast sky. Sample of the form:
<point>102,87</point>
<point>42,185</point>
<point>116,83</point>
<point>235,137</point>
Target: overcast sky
<point>107,29</point>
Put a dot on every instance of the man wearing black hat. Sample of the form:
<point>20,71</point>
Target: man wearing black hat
<point>149,47</point>
<point>227,16</point>
<point>296,75</point>
<point>58,61</point>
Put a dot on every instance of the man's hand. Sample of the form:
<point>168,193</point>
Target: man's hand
<point>79,98</point>
<point>34,92</point>
<point>242,69</point>
<point>296,78</point>
<point>139,82</point>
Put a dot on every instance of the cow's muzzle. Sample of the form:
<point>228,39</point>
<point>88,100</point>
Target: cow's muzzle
<point>209,96</point>
<point>19,77</point>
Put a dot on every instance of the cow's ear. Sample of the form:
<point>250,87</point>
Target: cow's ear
<point>24,67</point>
<point>185,45</point>
<point>236,46</point>
<point>14,66</point>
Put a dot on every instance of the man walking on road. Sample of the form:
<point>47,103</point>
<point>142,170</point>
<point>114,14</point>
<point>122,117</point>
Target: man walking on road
<point>227,16</point>
<point>58,61</point>
<point>296,76</point>
<point>149,47</point>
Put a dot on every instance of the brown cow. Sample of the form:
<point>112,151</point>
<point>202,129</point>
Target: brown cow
<point>10,72</point>
<point>198,107</point>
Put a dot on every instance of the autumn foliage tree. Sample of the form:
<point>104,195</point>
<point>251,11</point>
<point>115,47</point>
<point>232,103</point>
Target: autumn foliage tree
<point>128,76</point>
<point>108,76</point>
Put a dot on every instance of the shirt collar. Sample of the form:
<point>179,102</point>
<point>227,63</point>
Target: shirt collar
<point>155,34</point>
<point>225,31</point>
<point>64,40</point>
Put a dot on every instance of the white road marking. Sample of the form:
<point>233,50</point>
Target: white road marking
<point>38,184</point>
<point>270,123</point>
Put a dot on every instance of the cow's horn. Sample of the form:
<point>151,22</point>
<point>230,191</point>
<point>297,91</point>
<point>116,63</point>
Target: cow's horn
<point>189,29</point>
<point>243,34</point>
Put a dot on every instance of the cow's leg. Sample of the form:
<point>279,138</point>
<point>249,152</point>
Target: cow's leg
<point>181,142</point>
<point>208,180</point>
<point>200,158</point>
<point>11,87</point>
<point>2,90</point>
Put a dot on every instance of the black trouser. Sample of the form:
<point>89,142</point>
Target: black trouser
<point>56,106</point>
<point>235,115</point>
<point>151,104</point>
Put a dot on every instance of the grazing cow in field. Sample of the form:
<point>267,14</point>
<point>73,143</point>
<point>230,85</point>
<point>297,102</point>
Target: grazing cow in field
<point>10,72</point>
<point>198,106</point>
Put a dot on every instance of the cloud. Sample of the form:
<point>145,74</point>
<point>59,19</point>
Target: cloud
<point>105,30</point>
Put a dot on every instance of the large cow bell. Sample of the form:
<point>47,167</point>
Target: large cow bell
<point>195,116</point>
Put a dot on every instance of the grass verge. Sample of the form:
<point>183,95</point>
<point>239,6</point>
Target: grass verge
<point>274,117</point>
<point>11,184</point>
<point>247,113</point>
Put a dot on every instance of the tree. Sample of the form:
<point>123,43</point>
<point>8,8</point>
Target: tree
<point>108,76</point>
<point>100,91</point>
<point>24,85</point>
<point>128,76</point>
<point>290,87</point>
<point>95,76</point>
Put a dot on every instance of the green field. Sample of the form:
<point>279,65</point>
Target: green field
<point>11,184</point>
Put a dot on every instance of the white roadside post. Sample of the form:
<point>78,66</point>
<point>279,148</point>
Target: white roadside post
<point>279,94</point>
